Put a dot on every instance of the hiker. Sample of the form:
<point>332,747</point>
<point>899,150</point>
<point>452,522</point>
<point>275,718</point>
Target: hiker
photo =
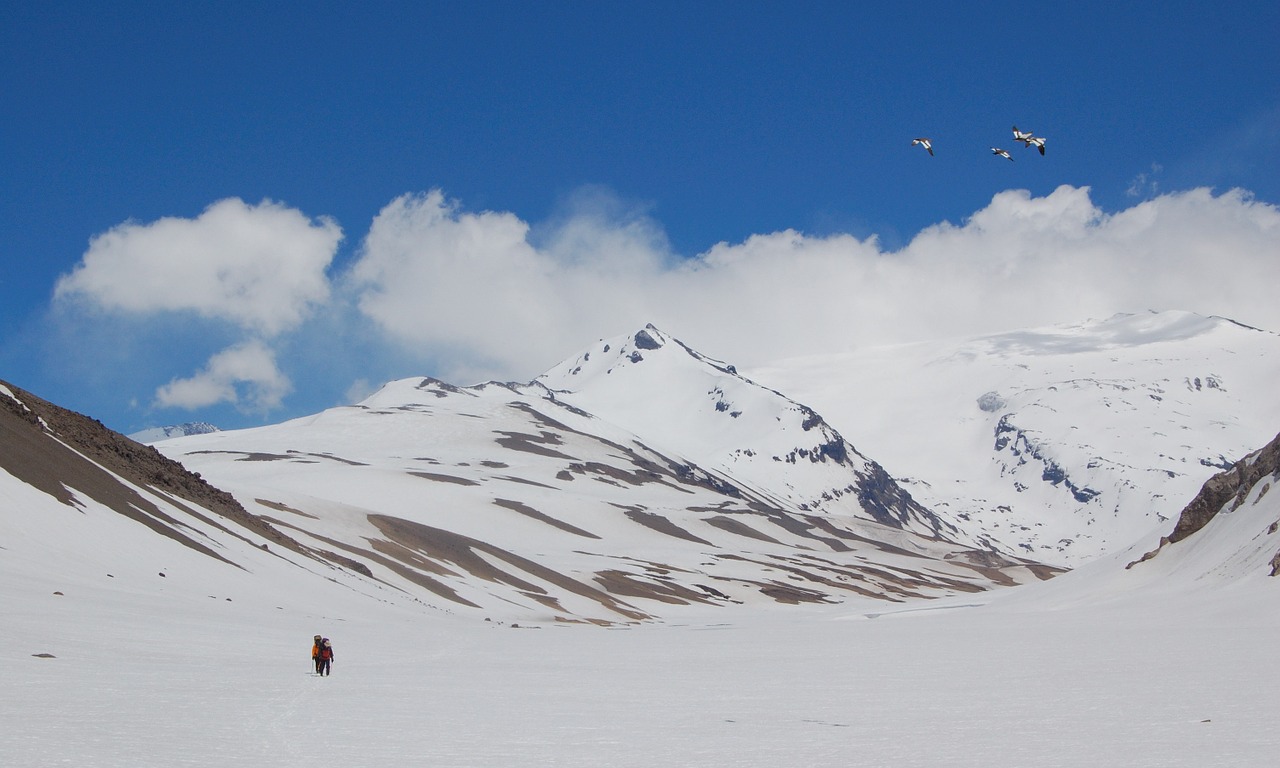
<point>315,652</point>
<point>326,657</point>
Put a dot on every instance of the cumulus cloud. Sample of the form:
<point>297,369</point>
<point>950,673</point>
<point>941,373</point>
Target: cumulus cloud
<point>485,298</point>
<point>473,289</point>
<point>244,375</point>
<point>467,296</point>
<point>260,267</point>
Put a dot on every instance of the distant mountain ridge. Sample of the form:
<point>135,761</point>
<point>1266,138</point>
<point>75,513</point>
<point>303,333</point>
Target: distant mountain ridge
<point>1062,443</point>
<point>641,477</point>
<point>156,434</point>
<point>636,475</point>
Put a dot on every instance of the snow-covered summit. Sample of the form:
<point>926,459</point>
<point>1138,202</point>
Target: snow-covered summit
<point>681,401</point>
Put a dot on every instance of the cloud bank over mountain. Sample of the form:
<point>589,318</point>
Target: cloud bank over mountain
<point>467,295</point>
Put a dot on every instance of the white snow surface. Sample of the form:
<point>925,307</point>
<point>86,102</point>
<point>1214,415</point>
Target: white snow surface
<point>1168,664</point>
<point>1062,443</point>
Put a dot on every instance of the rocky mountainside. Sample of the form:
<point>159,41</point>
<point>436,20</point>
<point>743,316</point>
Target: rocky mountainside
<point>1233,513</point>
<point>75,461</point>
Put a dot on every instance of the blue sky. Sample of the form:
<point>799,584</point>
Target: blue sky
<point>243,212</point>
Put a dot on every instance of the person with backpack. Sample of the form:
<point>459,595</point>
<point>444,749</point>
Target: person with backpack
<point>326,657</point>
<point>315,652</point>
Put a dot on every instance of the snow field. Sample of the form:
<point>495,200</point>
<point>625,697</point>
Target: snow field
<point>1179,681</point>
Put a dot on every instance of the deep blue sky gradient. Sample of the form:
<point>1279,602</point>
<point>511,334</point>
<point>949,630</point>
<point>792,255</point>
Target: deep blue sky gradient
<point>720,119</point>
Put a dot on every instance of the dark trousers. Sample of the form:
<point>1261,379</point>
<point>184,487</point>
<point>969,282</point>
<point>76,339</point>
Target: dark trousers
<point>322,667</point>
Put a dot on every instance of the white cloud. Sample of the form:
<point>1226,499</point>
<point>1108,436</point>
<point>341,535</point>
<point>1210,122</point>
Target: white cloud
<point>244,375</point>
<point>260,267</point>
<point>474,291</point>
<point>469,296</point>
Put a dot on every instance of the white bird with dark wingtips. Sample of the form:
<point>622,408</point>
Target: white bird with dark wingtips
<point>1002,153</point>
<point>927,144</point>
<point>1028,139</point>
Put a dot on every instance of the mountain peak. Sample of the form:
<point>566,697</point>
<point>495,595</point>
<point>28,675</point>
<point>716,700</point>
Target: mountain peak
<point>646,340</point>
<point>686,404</point>
<point>620,352</point>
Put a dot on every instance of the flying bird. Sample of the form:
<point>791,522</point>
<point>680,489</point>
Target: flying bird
<point>926,143</point>
<point>1002,153</point>
<point>1028,139</point>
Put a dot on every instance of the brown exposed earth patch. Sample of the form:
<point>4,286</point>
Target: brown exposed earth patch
<point>464,553</point>
<point>528,511</point>
<point>254,456</point>
<point>279,507</point>
<point>523,481</point>
<point>535,444</point>
<point>629,585</point>
<point>739,528</point>
<point>330,457</point>
<point>662,525</point>
<point>444,478</point>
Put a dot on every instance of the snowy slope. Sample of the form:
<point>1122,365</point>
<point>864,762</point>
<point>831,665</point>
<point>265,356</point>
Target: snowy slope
<point>681,401</point>
<point>505,501</point>
<point>1062,443</point>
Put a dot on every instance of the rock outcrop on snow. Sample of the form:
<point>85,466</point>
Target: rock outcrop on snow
<point>1228,490</point>
<point>1245,483</point>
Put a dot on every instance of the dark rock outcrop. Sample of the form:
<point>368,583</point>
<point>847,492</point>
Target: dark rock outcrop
<point>1228,489</point>
<point>1231,486</point>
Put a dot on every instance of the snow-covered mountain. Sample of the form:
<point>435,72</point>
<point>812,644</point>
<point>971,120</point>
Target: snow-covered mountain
<point>1062,443</point>
<point>641,474</point>
<point>156,434</point>
<point>507,498</point>
<point>684,403</point>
